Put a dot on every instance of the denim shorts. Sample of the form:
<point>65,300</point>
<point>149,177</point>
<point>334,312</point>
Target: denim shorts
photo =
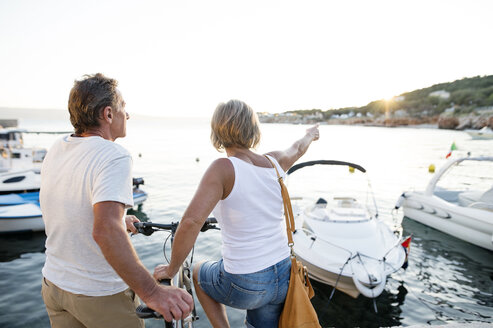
<point>261,293</point>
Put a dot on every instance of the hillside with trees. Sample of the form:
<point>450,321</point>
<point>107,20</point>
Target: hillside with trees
<point>461,104</point>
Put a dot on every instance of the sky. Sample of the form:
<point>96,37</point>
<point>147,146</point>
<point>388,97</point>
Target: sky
<point>181,58</point>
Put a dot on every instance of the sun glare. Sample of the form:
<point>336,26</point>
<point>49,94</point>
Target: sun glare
<point>389,99</point>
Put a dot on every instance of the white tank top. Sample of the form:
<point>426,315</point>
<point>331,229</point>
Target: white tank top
<point>252,220</point>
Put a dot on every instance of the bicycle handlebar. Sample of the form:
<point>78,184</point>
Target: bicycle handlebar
<point>148,228</point>
<point>145,312</point>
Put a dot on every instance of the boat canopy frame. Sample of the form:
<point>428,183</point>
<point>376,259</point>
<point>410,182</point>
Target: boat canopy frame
<point>341,163</point>
<point>446,167</point>
<point>325,162</point>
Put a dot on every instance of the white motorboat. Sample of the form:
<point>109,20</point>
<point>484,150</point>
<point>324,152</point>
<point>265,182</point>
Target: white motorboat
<point>21,212</point>
<point>21,218</point>
<point>343,243</point>
<point>19,181</point>
<point>484,133</point>
<point>19,166</point>
<point>464,214</point>
<point>14,156</point>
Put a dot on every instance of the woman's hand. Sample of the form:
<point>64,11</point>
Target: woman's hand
<point>313,132</point>
<point>162,272</point>
<point>129,222</point>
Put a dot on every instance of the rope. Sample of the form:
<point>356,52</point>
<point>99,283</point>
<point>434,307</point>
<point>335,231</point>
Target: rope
<point>367,273</point>
<point>337,281</point>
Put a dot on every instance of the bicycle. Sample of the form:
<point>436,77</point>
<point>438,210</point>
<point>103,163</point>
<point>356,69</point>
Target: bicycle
<point>181,280</point>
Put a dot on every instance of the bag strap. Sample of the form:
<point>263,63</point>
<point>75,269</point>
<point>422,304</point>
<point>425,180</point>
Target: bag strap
<point>288,210</point>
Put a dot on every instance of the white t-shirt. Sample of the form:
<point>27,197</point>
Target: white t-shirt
<point>76,174</point>
<point>251,218</point>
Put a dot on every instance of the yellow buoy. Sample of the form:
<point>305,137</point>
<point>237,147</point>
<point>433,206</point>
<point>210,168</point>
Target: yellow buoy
<point>431,168</point>
<point>351,169</point>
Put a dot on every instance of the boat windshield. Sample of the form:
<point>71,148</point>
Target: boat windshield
<point>471,180</point>
<point>338,185</point>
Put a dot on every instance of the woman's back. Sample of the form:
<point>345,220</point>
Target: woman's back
<point>251,219</point>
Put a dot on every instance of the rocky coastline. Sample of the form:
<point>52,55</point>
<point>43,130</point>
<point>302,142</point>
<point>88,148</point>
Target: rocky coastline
<point>473,120</point>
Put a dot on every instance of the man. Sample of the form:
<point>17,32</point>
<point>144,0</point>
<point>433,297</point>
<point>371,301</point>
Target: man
<point>86,184</point>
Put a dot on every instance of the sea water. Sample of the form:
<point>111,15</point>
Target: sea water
<point>447,280</point>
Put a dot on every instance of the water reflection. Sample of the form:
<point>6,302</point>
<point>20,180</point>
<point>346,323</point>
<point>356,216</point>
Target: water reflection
<point>12,246</point>
<point>345,311</point>
<point>455,278</point>
<point>448,280</point>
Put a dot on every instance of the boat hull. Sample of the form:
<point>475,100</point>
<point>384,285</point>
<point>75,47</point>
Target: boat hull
<point>27,217</point>
<point>469,224</point>
<point>483,134</point>
<point>21,218</point>
<point>19,181</point>
<point>343,283</point>
<point>339,252</point>
<point>139,197</point>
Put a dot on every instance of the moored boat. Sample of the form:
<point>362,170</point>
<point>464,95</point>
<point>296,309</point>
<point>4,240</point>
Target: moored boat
<point>19,165</point>
<point>343,243</point>
<point>481,134</point>
<point>21,212</point>
<point>464,214</point>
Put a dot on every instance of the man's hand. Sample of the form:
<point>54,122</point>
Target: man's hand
<point>109,234</point>
<point>171,302</point>
<point>129,222</point>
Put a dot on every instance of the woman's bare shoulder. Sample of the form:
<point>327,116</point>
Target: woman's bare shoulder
<point>221,167</point>
<point>222,162</point>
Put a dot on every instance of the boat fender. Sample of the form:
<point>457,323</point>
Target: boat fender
<point>372,291</point>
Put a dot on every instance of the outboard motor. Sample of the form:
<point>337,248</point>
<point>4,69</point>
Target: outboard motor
<point>137,182</point>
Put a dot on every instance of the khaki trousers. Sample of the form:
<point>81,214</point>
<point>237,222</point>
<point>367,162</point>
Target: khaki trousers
<point>79,311</point>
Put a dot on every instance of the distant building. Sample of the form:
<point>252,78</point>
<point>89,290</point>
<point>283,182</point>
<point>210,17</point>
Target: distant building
<point>316,116</point>
<point>400,113</point>
<point>440,94</point>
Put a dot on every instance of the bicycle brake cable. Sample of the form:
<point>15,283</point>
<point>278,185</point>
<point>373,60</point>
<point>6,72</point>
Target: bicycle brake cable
<point>191,257</point>
<point>164,248</point>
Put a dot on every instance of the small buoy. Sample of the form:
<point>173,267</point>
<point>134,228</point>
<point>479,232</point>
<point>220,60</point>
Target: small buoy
<point>431,168</point>
<point>197,159</point>
<point>351,169</point>
<point>140,154</point>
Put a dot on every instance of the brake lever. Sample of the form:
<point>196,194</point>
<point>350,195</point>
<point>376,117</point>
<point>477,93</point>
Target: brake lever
<point>206,227</point>
<point>143,229</point>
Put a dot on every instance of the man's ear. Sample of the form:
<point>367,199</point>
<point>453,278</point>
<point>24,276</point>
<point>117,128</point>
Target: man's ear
<point>108,114</point>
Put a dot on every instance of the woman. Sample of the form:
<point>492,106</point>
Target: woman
<point>244,194</point>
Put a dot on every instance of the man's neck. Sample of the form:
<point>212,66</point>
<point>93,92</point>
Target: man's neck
<point>95,133</point>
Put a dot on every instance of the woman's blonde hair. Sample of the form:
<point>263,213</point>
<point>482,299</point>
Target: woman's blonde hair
<point>234,124</point>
